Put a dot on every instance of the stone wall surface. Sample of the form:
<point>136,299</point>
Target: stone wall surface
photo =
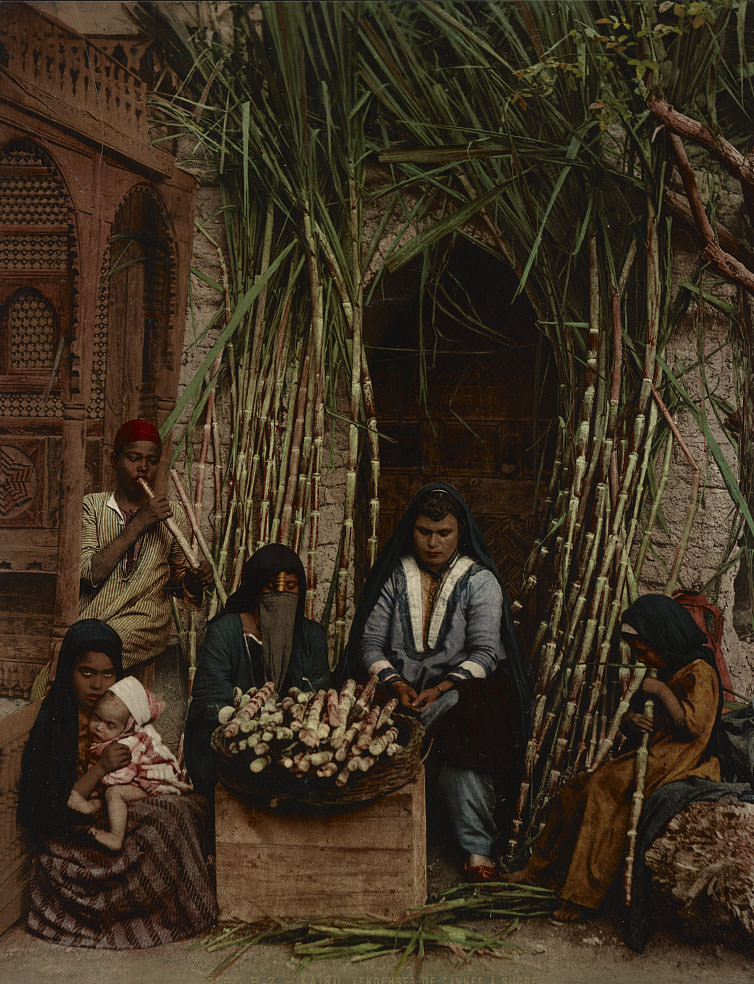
<point>702,354</point>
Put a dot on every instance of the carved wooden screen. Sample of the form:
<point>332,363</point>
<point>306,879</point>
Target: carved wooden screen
<point>38,259</point>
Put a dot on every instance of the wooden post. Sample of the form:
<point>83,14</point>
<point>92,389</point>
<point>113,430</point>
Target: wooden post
<point>69,529</point>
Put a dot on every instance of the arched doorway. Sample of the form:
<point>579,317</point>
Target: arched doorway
<point>474,410</point>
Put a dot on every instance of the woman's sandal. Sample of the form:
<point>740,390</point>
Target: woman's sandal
<point>476,873</point>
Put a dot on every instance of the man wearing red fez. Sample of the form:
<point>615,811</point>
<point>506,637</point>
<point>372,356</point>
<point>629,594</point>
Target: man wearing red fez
<point>130,562</point>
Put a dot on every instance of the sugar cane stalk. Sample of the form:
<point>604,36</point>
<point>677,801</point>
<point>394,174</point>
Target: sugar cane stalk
<point>203,545</point>
<point>637,800</point>
<point>174,529</point>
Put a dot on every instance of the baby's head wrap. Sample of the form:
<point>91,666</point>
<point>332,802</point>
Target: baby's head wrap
<point>142,704</point>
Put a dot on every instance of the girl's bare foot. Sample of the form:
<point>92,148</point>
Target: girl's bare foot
<point>104,837</point>
<point>571,912</point>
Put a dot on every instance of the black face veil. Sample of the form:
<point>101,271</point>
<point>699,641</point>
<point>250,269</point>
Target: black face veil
<point>277,623</point>
<point>280,613</point>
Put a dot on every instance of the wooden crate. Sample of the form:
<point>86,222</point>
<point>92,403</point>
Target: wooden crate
<point>366,861</point>
<point>14,851</point>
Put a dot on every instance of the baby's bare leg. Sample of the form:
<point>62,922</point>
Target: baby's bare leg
<point>117,799</point>
<point>80,804</point>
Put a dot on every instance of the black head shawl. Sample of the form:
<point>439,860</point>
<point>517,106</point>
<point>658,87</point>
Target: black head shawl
<point>473,545</point>
<point>262,567</point>
<point>48,766</point>
<point>665,625</point>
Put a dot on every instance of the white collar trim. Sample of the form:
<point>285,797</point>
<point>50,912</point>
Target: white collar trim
<point>457,569</point>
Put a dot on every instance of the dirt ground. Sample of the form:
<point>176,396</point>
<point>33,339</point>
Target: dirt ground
<point>548,953</point>
<point>541,952</point>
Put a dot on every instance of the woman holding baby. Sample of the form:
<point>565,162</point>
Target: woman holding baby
<point>157,887</point>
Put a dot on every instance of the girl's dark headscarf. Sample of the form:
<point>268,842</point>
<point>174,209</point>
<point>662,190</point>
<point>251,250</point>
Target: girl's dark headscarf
<point>48,765</point>
<point>665,625</point>
<point>471,542</point>
<point>262,567</point>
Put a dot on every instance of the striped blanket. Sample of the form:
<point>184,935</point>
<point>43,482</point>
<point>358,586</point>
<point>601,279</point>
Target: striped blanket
<point>158,889</point>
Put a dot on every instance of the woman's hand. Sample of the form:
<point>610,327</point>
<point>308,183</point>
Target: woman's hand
<point>425,698</point>
<point>405,693</point>
<point>115,756</point>
<point>632,721</point>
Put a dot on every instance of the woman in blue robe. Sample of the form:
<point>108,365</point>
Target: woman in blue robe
<point>434,625</point>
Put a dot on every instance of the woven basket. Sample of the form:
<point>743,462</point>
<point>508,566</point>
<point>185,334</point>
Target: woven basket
<point>275,785</point>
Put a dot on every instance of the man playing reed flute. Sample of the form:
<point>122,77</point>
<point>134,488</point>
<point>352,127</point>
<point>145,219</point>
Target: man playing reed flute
<point>130,562</point>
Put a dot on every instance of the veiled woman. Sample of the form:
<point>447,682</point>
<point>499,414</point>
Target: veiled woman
<point>158,888</point>
<point>260,635</point>
<point>434,625</point>
<point>584,842</point>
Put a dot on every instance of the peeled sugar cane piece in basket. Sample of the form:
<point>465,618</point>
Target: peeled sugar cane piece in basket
<point>309,734</point>
<point>332,708</point>
<point>342,777</point>
<point>301,764</point>
<point>345,702</point>
<point>225,713</point>
<point>364,701</point>
<point>298,713</point>
<point>367,729</point>
<point>341,752</point>
<point>317,759</point>
<point>380,744</point>
<point>385,713</point>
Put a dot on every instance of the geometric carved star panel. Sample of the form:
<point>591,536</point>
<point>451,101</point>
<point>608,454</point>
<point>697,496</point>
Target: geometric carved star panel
<point>22,480</point>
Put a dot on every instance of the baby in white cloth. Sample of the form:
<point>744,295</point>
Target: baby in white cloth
<point>124,714</point>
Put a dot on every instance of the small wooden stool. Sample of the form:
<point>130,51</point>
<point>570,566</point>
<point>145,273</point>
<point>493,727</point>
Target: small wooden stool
<point>369,860</point>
